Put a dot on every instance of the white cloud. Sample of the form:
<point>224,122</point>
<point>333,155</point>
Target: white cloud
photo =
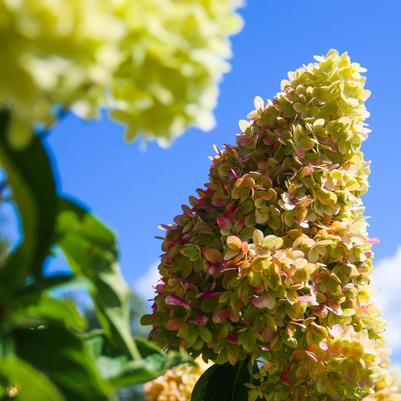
<point>387,295</point>
<point>144,285</point>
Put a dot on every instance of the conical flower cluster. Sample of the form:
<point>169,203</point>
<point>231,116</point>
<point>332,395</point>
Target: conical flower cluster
<point>272,261</point>
<point>176,384</point>
<point>154,63</point>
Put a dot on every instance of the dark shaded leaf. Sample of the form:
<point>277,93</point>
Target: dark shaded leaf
<point>64,358</point>
<point>51,282</point>
<point>31,293</point>
<point>223,383</point>
<point>32,182</point>
<point>62,310</point>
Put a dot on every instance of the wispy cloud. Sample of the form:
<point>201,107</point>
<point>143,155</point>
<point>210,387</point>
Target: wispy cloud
<point>387,294</point>
<point>144,284</point>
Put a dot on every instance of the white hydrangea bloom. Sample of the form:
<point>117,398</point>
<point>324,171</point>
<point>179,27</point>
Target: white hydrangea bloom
<point>154,64</point>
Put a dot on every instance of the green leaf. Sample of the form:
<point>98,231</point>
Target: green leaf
<point>122,371</point>
<point>223,383</point>
<point>90,248</point>
<point>65,359</point>
<point>32,292</point>
<point>32,182</point>
<point>63,311</point>
<point>32,385</point>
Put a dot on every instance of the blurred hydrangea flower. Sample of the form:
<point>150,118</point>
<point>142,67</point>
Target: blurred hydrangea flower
<point>272,261</point>
<point>154,63</point>
<point>176,384</point>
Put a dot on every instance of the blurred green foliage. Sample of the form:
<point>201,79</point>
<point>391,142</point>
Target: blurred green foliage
<point>45,349</point>
<point>137,309</point>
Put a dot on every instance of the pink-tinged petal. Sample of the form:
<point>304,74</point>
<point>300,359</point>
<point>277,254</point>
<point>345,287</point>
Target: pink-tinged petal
<point>227,188</point>
<point>284,376</point>
<point>215,269</point>
<point>223,222</point>
<point>300,152</point>
<point>306,298</point>
<point>244,140</point>
<point>307,170</point>
<point>230,269</point>
<point>263,301</point>
<point>321,311</point>
<point>363,309</point>
<point>174,300</point>
<point>323,345</point>
<point>305,202</point>
<point>193,201</point>
<point>153,332</point>
<point>374,241</point>
<point>336,309</point>
<point>174,324</point>
<point>218,202</point>
<point>225,314</point>
<point>265,347</point>
<point>267,141</point>
<point>211,294</point>
<point>233,174</point>
<point>233,338</point>
<point>213,255</point>
<point>201,320</point>
<point>336,330</point>
<point>256,289</point>
<point>312,356</point>
<point>187,210</point>
<point>304,224</point>
<point>267,334</point>
<point>238,225</point>
<point>220,316</point>
<point>233,316</point>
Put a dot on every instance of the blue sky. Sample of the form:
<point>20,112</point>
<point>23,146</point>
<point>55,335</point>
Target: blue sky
<point>135,190</point>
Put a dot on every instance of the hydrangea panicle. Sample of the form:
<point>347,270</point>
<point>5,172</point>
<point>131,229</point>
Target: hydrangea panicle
<point>176,384</point>
<point>272,260</point>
